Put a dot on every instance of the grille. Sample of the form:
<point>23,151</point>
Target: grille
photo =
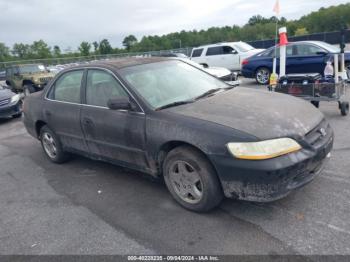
<point>4,102</point>
<point>45,79</point>
<point>318,135</point>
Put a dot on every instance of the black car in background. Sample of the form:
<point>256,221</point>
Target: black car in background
<point>168,118</point>
<point>10,103</point>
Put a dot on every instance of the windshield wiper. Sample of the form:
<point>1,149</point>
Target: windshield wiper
<point>208,93</point>
<point>177,103</point>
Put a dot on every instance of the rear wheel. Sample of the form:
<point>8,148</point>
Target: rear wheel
<point>262,75</point>
<point>52,146</point>
<point>191,179</point>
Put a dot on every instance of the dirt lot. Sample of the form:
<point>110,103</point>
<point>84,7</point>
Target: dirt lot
<point>89,207</point>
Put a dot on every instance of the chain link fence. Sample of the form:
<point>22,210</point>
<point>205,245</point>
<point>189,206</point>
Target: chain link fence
<point>82,59</point>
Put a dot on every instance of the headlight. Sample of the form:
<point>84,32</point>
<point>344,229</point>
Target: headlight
<point>263,149</point>
<point>15,98</point>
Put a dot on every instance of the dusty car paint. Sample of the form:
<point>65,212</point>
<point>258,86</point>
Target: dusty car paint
<point>144,136</point>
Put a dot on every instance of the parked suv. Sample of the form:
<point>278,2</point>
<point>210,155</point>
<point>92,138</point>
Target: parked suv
<point>229,55</point>
<point>27,78</point>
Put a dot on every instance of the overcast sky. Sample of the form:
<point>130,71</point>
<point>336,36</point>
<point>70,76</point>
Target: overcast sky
<point>69,22</point>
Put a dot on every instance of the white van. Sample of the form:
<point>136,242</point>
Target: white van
<point>229,55</point>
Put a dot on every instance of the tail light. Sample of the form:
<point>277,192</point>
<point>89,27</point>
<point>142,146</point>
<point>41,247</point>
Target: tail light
<point>245,62</point>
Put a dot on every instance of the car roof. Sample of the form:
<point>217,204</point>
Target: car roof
<point>218,44</point>
<point>119,63</point>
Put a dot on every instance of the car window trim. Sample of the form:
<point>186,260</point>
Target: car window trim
<point>85,69</point>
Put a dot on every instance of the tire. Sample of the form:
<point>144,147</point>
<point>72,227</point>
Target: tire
<point>316,103</point>
<point>262,75</point>
<point>28,89</point>
<point>191,179</point>
<point>52,146</point>
<point>344,108</point>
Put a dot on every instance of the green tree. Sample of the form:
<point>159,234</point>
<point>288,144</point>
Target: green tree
<point>301,31</point>
<point>21,50</point>
<point>56,51</point>
<point>4,52</point>
<point>39,49</point>
<point>105,47</point>
<point>95,44</point>
<point>84,48</point>
<point>129,41</point>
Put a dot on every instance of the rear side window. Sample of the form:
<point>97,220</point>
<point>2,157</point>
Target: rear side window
<point>67,87</point>
<point>197,52</point>
<point>307,50</point>
<point>101,86</point>
<point>217,50</point>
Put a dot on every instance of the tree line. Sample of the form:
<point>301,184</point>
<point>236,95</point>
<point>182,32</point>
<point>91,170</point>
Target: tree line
<point>257,28</point>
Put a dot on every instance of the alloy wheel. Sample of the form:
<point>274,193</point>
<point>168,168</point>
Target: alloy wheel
<point>186,182</point>
<point>49,145</point>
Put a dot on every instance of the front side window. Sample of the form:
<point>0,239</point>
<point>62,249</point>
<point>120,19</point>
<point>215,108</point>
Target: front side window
<point>101,86</point>
<point>197,52</point>
<point>217,50</point>
<point>226,50</point>
<point>167,82</point>
<point>67,87</point>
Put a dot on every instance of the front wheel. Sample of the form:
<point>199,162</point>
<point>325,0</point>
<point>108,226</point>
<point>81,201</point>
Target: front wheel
<point>344,108</point>
<point>262,75</point>
<point>191,179</point>
<point>52,146</point>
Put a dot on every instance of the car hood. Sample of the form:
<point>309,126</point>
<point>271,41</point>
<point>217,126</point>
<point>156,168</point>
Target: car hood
<point>217,71</point>
<point>5,93</point>
<point>262,114</point>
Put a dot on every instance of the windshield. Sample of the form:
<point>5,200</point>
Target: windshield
<point>26,69</point>
<point>328,47</point>
<point>243,47</point>
<point>168,82</point>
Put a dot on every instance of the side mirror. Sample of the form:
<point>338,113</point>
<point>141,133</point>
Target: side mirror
<point>321,53</point>
<point>119,103</point>
<point>234,52</point>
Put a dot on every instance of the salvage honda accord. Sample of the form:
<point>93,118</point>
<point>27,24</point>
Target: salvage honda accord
<point>169,119</point>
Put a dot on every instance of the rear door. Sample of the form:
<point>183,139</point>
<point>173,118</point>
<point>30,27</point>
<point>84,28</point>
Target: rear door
<point>62,108</point>
<point>307,60</point>
<point>118,135</point>
<point>222,56</point>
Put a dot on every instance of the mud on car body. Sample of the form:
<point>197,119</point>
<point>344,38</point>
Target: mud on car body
<point>167,118</point>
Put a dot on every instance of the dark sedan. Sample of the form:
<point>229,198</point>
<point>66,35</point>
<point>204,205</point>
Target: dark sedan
<point>302,57</point>
<point>168,118</point>
<point>10,103</point>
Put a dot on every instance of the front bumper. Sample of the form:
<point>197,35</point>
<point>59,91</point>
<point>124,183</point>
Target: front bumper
<point>10,110</point>
<point>272,179</point>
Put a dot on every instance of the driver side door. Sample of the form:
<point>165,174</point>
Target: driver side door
<point>116,135</point>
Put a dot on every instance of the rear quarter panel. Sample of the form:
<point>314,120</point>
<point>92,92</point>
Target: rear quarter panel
<point>32,110</point>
